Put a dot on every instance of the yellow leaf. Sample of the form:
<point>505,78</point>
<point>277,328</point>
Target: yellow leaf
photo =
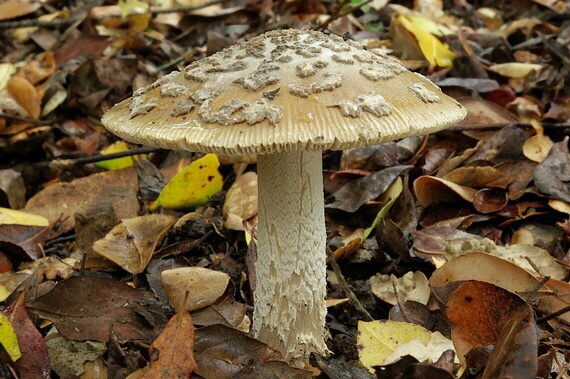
<point>435,52</point>
<point>192,186</point>
<point>118,163</point>
<point>515,69</point>
<point>129,7</point>
<point>13,217</point>
<point>378,339</point>
<point>8,338</point>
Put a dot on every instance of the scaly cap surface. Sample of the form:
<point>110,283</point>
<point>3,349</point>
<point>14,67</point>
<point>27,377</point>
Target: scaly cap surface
<point>281,91</point>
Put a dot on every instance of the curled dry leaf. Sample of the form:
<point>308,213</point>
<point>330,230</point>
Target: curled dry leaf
<point>536,148</point>
<point>519,254</point>
<point>241,201</point>
<point>412,286</point>
<point>25,94</point>
<point>430,189</point>
<point>204,286</point>
<point>489,200</point>
<point>132,243</point>
<point>486,268</point>
<point>478,177</point>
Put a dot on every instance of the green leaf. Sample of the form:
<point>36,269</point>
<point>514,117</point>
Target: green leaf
<point>389,197</point>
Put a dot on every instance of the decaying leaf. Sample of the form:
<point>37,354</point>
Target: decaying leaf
<point>356,193</point>
<point>412,286</point>
<point>69,356</point>
<point>132,243</point>
<point>379,339</point>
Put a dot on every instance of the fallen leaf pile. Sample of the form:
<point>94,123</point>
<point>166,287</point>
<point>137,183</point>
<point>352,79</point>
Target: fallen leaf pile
<point>120,261</point>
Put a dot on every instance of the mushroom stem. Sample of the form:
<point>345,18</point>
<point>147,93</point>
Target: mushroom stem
<point>290,309</point>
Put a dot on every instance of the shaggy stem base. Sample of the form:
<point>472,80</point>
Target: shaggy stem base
<point>290,310</point>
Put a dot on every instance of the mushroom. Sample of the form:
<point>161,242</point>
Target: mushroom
<point>285,96</point>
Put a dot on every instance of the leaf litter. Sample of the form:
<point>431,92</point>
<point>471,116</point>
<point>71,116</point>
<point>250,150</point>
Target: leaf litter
<point>481,209</point>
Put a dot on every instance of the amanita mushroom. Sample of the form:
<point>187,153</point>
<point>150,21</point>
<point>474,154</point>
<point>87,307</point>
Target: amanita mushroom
<point>286,95</point>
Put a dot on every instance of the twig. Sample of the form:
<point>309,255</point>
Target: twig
<point>28,120</point>
<point>344,285</point>
<point>67,163</point>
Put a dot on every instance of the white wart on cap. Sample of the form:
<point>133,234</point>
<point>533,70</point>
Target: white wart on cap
<point>284,90</point>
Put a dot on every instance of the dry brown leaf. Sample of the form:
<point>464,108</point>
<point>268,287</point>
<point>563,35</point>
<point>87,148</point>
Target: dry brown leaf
<point>132,243</point>
<point>174,349</point>
<point>204,286</point>
<point>25,94</point>
<point>15,8</point>
<point>39,69</point>
<point>63,200</point>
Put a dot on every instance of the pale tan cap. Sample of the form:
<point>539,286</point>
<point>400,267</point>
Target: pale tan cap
<point>281,91</point>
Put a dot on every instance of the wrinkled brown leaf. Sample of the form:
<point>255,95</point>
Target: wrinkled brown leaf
<point>92,307</point>
<point>222,352</point>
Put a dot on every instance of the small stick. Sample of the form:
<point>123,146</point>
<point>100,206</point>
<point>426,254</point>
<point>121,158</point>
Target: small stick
<point>346,288</point>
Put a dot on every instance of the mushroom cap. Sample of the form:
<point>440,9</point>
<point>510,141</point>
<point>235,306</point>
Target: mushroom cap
<point>281,91</point>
